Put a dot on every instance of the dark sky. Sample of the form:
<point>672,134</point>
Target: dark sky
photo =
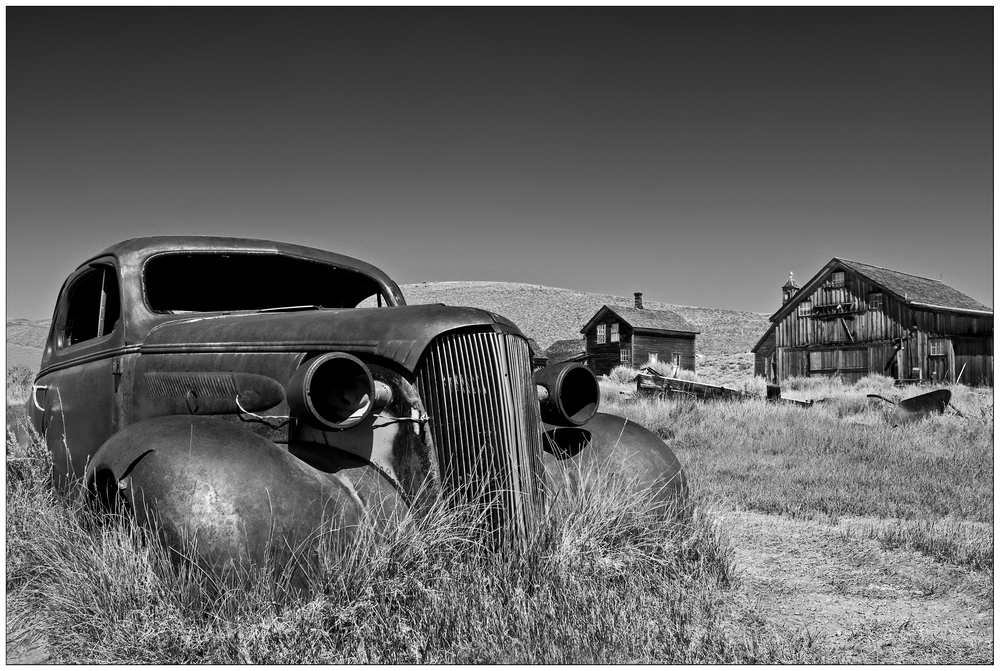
<point>695,154</point>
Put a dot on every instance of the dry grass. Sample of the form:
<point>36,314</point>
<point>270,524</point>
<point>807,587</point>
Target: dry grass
<point>609,578</point>
<point>842,458</point>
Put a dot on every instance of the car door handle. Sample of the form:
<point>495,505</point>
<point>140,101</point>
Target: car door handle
<point>34,398</point>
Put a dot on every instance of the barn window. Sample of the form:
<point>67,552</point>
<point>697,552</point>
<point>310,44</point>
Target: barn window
<point>654,357</point>
<point>938,346</point>
<point>601,330</point>
<point>626,355</point>
<point>875,301</point>
<point>677,360</point>
<point>836,280</point>
<point>805,308</point>
<point>614,332</point>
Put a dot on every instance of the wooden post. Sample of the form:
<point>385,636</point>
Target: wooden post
<point>951,361</point>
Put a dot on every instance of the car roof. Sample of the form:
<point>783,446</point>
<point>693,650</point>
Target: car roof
<point>136,250</point>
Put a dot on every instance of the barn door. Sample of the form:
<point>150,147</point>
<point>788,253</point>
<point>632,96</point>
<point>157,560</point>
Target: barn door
<point>883,360</point>
<point>975,355</point>
<point>850,364</point>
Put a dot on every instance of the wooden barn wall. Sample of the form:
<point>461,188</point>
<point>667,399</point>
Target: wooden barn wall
<point>764,358</point>
<point>892,321</point>
<point>664,346</point>
<point>859,340</point>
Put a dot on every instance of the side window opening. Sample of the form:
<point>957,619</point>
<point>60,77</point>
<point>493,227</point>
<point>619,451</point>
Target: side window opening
<point>94,306</point>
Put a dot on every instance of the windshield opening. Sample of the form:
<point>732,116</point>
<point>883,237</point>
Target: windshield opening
<point>231,282</point>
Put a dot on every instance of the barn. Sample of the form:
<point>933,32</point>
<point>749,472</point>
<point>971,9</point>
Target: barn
<point>618,336</point>
<point>853,319</point>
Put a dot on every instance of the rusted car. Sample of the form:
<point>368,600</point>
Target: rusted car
<point>240,393</point>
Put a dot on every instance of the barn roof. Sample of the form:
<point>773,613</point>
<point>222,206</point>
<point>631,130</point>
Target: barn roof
<point>763,338</point>
<point>645,320</point>
<point>913,290</point>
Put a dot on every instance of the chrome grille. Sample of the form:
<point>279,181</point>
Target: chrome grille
<point>485,421</point>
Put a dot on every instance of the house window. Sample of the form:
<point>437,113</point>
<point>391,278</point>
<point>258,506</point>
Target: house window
<point>677,360</point>
<point>805,308</point>
<point>654,357</point>
<point>614,332</point>
<point>626,355</point>
<point>938,346</point>
<point>601,330</point>
<point>836,280</point>
<point>875,301</point>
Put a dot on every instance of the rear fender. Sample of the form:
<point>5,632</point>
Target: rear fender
<point>235,495</point>
<point>619,445</point>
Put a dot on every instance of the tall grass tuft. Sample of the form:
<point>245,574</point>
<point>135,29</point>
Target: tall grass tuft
<point>607,577</point>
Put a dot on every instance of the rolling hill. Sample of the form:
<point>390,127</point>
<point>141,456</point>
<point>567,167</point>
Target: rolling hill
<point>545,314</point>
<point>25,340</point>
<point>548,314</point>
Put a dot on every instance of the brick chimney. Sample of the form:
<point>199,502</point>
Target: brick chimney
<point>638,300</point>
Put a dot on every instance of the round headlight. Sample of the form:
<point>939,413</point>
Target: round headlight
<point>332,391</point>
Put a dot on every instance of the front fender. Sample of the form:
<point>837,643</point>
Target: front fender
<point>620,446</point>
<point>207,484</point>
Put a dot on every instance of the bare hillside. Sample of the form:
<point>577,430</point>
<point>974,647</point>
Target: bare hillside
<point>548,314</point>
<point>25,340</point>
<point>544,313</point>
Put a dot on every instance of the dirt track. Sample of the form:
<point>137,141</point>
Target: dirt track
<point>862,603</point>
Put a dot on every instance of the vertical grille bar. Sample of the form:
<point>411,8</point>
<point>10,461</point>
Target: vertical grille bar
<point>485,421</point>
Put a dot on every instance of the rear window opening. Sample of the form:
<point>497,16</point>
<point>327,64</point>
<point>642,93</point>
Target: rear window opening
<point>232,282</point>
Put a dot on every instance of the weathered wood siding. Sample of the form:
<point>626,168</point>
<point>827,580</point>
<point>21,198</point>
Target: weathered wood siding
<point>764,363</point>
<point>976,355</point>
<point>602,357</point>
<point>665,347</point>
<point>842,331</point>
<point>894,320</point>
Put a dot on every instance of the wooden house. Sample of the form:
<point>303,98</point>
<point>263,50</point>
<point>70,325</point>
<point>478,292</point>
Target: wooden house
<point>621,336</point>
<point>852,319</point>
<point>538,357</point>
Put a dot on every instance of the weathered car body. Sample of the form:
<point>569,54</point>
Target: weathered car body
<point>245,394</point>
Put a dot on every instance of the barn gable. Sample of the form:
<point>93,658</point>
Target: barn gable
<point>853,319</point>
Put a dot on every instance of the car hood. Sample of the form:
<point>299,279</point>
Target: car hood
<point>397,333</point>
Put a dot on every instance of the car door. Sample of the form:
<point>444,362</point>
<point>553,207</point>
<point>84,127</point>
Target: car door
<point>75,393</point>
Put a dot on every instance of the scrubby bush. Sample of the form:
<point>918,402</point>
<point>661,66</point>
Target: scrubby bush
<point>19,380</point>
<point>622,375</point>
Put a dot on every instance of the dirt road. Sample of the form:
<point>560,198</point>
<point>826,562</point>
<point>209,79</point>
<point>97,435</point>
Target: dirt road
<point>862,603</point>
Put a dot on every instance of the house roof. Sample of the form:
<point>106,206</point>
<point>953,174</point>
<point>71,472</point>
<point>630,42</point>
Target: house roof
<point>912,290</point>
<point>644,320</point>
<point>565,350</point>
<point>536,351</point>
